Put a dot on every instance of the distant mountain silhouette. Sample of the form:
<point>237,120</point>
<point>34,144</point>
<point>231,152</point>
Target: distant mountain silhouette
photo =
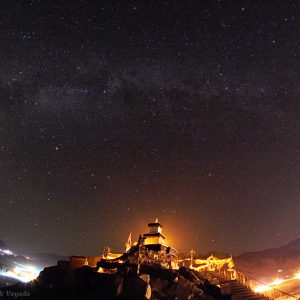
<point>3,245</point>
<point>292,249</point>
<point>270,263</point>
<point>47,259</point>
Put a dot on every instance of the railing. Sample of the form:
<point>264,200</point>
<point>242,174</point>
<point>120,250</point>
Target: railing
<point>251,283</point>
<point>254,285</point>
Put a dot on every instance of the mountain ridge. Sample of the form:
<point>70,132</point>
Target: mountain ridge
<point>3,245</point>
<point>285,250</point>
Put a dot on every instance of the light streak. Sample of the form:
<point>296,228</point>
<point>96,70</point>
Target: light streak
<point>275,284</point>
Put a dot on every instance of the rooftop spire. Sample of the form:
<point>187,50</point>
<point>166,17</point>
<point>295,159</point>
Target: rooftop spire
<point>129,243</point>
<point>156,220</point>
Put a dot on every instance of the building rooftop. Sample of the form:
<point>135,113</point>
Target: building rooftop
<point>154,234</point>
<point>154,225</point>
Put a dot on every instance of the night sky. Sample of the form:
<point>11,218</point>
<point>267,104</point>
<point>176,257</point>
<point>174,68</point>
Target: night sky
<point>115,113</point>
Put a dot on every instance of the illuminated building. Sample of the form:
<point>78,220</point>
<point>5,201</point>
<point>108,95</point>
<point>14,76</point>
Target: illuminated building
<point>154,240</point>
<point>150,250</point>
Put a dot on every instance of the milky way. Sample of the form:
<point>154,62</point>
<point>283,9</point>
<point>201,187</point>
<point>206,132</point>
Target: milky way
<point>112,114</point>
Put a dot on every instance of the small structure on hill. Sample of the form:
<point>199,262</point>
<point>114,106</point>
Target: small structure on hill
<point>150,250</point>
<point>154,240</point>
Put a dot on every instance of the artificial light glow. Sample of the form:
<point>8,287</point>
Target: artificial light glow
<point>277,282</point>
<point>22,273</point>
<point>266,287</point>
<point>6,251</point>
<point>261,288</point>
<point>297,276</point>
<point>212,263</point>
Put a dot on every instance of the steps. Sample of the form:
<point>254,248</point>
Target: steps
<point>239,291</point>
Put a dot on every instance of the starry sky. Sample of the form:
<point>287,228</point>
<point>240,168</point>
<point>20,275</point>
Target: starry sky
<point>113,113</point>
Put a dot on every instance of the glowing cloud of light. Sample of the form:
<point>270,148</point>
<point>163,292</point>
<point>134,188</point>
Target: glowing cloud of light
<point>21,272</point>
<point>5,252</point>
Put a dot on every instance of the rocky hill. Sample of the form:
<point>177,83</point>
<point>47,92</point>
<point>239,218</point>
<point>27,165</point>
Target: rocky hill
<point>62,282</point>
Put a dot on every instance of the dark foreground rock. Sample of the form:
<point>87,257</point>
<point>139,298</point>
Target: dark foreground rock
<point>60,282</point>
